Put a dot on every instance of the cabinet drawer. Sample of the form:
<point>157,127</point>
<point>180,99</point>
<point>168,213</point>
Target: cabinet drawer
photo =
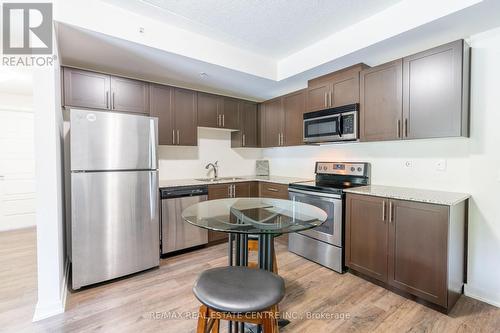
<point>273,190</point>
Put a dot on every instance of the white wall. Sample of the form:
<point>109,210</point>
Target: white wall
<point>213,145</point>
<point>473,166</point>
<point>49,191</point>
<point>17,165</point>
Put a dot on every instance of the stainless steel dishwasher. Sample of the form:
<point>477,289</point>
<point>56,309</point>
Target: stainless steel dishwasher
<point>176,234</point>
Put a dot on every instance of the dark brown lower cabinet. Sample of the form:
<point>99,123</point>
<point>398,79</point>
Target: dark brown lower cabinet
<point>413,248</point>
<point>273,190</point>
<point>366,236</point>
<point>224,191</point>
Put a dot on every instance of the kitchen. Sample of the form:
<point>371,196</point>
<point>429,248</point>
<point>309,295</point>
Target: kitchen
<point>407,136</point>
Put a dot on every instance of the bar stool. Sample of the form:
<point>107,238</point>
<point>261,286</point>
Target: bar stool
<point>238,294</point>
<point>253,246</point>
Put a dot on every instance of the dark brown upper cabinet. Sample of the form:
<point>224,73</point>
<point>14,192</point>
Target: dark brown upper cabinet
<point>247,135</point>
<point>209,110</point>
<point>381,102</point>
<point>86,89</point>
<point>294,106</point>
<point>272,121</point>
<point>281,120</point>
<point>218,111</point>
<point>129,95</point>
<point>161,107</point>
<point>334,89</point>
<point>415,247</point>
<point>436,92</point>
<point>185,114</point>
<point>100,91</point>
<point>231,113</point>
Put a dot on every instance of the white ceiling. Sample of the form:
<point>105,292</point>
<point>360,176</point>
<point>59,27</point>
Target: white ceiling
<point>273,28</point>
<point>81,47</point>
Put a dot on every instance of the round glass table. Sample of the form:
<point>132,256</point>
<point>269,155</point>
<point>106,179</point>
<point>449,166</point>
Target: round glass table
<point>263,218</point>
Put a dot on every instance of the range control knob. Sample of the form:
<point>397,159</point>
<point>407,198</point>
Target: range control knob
<point>359,169</point>
<point>320,167</point>
<point>353,169</point>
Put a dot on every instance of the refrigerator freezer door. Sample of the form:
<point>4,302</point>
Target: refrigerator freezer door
<point>115,224</point>
<point>112,141</point>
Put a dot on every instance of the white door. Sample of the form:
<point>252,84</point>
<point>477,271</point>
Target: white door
<point>17,169</point>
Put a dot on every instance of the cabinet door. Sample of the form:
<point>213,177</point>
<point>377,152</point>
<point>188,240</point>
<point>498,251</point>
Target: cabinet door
<point>161,107</point>
<point>209,107</point>
<point>231,115</point>
<point>418,234</point>
<point>247,136</point>
<point>432,92</point>
<point>272,122</point>
<point>381,102</point>
<point>242,190</point>
<point>218,191</point>
<point>129,95</point>
<point>345,89</point>
<point>366,235</point>
<point>317,97</point>
<point>294,106</point>
<point>86,89</point>
<point>185,117</point>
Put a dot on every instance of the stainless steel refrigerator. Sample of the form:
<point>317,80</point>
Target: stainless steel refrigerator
<point>114,195</point>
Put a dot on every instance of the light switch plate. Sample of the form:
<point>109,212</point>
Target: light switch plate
<point>441,165</point>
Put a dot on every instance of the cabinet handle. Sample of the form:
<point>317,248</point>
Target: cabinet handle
<point>218,120</point>
<point>234,191</point>
<point>107,99</point>
<point>272,189</point>
<point>173,136</point>
<point>243,138</point>
<point>279,139</point>
<point>113,101</point>
<point>330,98</point>
<point>282,139</point>
<point>223,121</point>
<point>178,141</point>
<point>326,99</point>
<point>406,127</point>
<point>399,128</point>
<point>383,210</point>
<point>390,211</point>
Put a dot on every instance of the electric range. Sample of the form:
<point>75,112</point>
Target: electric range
<point>325,244</point>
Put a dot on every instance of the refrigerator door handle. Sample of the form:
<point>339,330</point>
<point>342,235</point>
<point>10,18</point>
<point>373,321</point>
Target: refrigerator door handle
<point>152,142</point>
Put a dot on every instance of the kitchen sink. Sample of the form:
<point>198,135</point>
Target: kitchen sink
<point>218,179</point>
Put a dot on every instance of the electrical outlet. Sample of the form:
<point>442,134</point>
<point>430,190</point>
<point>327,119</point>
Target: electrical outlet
<point>441,165</point>
<point>408,164</point>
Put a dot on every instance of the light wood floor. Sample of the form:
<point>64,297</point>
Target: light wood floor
<point>140,303</point>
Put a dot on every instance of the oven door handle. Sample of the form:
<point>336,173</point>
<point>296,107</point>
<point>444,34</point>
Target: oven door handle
<point>316,194</point>
<point>340,125</point>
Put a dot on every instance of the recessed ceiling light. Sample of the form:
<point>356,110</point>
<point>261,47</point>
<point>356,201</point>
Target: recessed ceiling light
<point>203,75</point>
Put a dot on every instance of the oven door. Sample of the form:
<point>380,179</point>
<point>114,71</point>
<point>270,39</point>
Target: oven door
<point>321,129</point>
<point>331,230</point>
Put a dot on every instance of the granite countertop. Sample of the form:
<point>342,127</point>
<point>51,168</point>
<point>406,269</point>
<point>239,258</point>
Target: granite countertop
<point>270,179</point>
<point>411,194</point>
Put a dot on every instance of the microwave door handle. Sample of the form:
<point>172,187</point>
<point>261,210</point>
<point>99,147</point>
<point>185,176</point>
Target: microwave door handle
<point>339,126</point>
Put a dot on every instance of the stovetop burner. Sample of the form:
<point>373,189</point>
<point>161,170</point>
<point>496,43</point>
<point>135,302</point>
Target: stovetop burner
<point>334,177</point>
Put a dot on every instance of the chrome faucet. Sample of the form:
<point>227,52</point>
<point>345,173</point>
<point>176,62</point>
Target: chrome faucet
<point>215,167</point>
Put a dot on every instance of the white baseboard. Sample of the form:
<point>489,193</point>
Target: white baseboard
<point>482,295</point>
<point>44,311</point>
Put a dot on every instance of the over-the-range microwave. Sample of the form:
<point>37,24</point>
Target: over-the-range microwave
<point>331,125</point>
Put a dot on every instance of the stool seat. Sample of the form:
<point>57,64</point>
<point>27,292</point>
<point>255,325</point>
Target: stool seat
<point>238,289</point>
